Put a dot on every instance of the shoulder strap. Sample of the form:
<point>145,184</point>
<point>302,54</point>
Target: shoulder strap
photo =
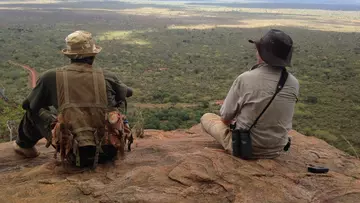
<point>280,85</point>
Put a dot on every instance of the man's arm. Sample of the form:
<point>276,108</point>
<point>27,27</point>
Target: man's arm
<point>39,96</point>
<point>230,107</point>
<point>118,89</point>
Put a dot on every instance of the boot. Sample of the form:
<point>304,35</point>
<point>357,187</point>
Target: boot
<point>26,152</point>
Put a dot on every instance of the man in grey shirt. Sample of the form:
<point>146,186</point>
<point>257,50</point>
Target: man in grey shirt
<point>251,92</point>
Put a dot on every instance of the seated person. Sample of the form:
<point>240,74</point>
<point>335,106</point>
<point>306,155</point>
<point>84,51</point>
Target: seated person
<point>251,92</point>
<point>82,95</point>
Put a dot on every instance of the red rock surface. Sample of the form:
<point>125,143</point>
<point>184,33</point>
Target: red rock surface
<point>185,166</point>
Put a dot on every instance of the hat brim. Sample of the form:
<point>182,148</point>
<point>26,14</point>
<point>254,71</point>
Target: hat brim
<point>69,53</point>
<point>269,58</point>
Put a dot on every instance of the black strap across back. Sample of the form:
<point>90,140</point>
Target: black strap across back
<point>280,85</point>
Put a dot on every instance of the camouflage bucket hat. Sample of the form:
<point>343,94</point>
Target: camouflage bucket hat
<point>80,44</point>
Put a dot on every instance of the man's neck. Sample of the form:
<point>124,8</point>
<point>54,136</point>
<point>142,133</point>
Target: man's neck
<point>259,60</point>
<point>82,64</point>
<point>88,61</point>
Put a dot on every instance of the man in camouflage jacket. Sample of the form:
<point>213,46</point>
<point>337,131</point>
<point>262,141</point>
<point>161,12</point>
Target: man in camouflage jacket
<point>81,50</point>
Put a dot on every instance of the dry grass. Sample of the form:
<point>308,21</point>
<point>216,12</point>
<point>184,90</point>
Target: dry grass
<point>165,105</point>
<point>163,12</point>
<point>125,36</point>
<point>324,20</point>
<point>350,145</point>
<point>255,23</point>
<point>221,16</point>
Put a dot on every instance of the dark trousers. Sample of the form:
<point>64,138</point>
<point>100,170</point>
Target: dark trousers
<point>32,128</point>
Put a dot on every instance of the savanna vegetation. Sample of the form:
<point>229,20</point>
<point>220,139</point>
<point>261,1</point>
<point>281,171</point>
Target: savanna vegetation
<point>181,58</point>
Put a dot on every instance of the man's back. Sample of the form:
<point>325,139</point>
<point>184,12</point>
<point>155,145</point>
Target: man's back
<point>82,93</point>
<point>254,90</point>
<point>82,101</point>
<point>45,93</point>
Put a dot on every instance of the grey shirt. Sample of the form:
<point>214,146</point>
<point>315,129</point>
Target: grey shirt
<point>249,95</point>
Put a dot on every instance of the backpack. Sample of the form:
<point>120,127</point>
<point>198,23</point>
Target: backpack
<point>85,121</point>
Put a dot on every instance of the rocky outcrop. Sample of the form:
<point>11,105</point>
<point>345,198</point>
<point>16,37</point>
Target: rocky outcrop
<point>185,166</point>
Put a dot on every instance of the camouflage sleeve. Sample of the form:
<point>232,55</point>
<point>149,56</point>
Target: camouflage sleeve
<point>39,96</point>
<point>117,89</point>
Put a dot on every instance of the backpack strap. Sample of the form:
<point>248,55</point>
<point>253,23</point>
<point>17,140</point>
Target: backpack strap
<point>67,104</point>
<point>96,87</point>
<point>97,150</point>
<point>66,87</point>
<point>280,85</point>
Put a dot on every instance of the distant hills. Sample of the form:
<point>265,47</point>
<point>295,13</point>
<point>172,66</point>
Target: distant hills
<point>290,1</point>
<point>341,2</point>
<point>345,5</point>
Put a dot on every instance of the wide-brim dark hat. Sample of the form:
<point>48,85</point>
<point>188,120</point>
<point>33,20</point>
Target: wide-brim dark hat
<point>275,48</point>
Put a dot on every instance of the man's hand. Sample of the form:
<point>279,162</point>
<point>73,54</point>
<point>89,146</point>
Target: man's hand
<point>219,102</point>
<point>129,92</point>
<point>226,122</point>
<point>26,104</point>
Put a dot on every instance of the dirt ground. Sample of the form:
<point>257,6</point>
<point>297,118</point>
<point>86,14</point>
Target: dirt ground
<point>184,166</point>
